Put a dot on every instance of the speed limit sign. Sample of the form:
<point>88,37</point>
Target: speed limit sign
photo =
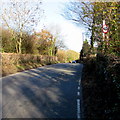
<point>105,28</point>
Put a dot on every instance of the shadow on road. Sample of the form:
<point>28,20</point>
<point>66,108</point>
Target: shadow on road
<point>46,92</point>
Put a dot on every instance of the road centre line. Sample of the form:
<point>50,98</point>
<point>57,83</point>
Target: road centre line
<point>78,93</point>
<point>79,82</point>
<point>78,87</point>
<point>78,100</point>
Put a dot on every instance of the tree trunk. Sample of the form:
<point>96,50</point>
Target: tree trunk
<point>20,43</point>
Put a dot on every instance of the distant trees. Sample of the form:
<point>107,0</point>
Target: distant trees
<point>72,55</point>
<point>67,55</point>
<point>86,48</point>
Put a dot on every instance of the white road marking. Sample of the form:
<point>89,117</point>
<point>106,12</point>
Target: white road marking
<point>78,88</point>
<point>78,100</point>
<point>79,82</point>
<point>78,108</point>
<point>78,93</point>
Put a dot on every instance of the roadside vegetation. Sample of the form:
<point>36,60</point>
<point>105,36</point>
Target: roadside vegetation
<point>101,87</point>
<point>13,62</point>
<point>23,48</point>
<point>100,55</point>
<point>38,49</point>
<point>66,56</point>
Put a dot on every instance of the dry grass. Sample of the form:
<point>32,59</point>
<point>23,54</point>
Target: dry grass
<point>12,62</point>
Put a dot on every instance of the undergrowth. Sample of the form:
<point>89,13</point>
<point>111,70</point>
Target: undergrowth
<point>101,88</point>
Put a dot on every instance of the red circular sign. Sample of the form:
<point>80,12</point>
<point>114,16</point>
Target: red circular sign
<point>105,28</point>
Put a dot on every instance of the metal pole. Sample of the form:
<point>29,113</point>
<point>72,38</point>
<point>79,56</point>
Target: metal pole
<point>103,36</point>
<point>103,32</point>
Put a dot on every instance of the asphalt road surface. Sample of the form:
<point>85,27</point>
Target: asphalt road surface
<point>46,92</point>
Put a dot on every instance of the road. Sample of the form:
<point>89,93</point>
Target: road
<point>46,92</point>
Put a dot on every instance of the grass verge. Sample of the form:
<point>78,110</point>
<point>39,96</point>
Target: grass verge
<point>13,63</point>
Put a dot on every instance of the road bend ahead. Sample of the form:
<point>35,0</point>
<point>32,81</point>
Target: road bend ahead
<point>46,92</point>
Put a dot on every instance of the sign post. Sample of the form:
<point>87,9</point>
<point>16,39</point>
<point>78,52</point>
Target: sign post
<point>105,28</point>
<point>105,31</point>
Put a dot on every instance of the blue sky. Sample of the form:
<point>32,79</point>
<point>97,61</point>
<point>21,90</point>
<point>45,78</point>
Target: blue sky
<point>71,34</point>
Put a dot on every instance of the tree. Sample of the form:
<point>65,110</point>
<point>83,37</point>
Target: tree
<point>92,14</point>
<point>8,42</point>
<point>20,16</point>
<point>81,13</point>
<point>62,56</point>
<point>56,32</point>
<point>108,11</point>
<point>46,43</point>
<point>72,55</point>
<point>86,48</point>
<point>67,55</point>
<point>29,44</point>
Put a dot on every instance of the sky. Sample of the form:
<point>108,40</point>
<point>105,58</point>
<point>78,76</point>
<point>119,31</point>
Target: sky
<point>71,34</point>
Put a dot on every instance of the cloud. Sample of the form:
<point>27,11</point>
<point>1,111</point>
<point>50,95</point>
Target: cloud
<point>72,35</point>
<point>55,0</point>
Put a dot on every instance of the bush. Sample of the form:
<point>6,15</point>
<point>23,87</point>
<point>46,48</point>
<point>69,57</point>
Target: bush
<point>101,87</point>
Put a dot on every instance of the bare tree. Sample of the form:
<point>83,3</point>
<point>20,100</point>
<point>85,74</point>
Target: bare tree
<point>56,31</point>
<point>92,15</point>
<point>79,12</point>
<point>82,13</point>
<point>20,16</point>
